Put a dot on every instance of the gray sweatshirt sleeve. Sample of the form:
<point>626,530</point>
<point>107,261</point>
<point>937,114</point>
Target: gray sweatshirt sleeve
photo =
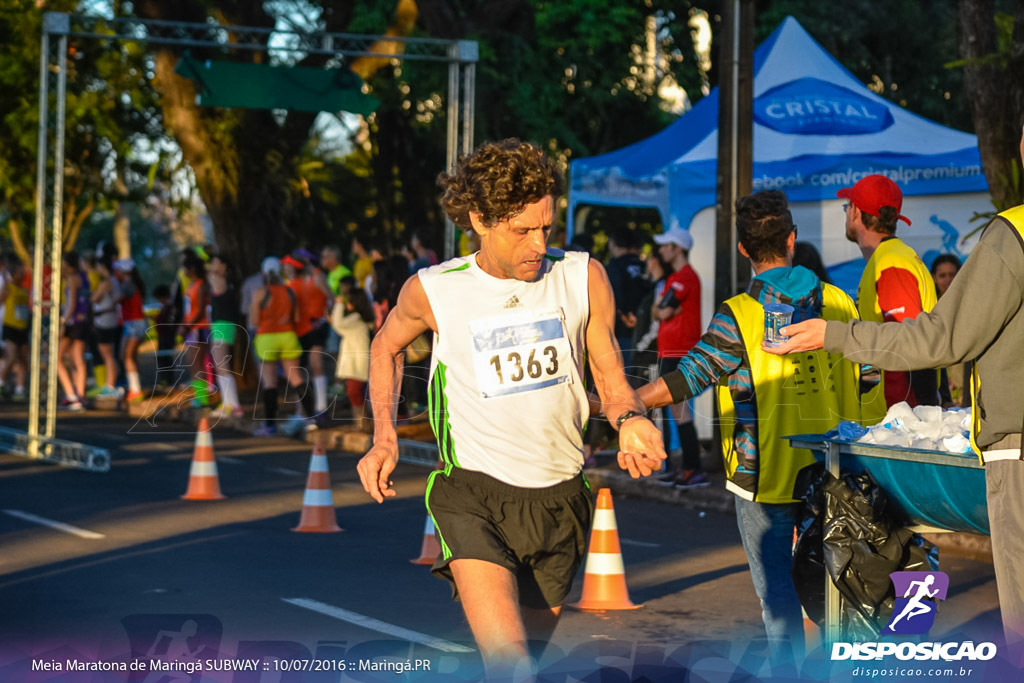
<point>983,297</point>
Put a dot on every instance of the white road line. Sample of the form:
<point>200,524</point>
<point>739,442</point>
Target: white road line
<point>281,470</point>
<point>61,526</point>
<point>377,625</point>
<point>639,544</point>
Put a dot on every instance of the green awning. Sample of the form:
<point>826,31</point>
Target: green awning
<point>259,86</point>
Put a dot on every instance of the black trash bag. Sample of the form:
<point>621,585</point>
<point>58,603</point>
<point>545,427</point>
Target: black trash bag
<point>864,541</point>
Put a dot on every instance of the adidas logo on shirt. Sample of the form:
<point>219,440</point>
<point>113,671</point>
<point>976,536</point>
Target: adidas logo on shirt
<point>513,302</point>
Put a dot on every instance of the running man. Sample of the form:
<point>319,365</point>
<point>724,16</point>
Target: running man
<point>915,607</point>
<point>512,325</point>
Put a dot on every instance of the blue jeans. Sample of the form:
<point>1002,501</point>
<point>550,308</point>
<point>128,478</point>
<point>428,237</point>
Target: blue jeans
<point>767,533</point>
<point>333,342</point>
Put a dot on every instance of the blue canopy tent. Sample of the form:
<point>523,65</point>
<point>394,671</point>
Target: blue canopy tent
<point>816,129</point>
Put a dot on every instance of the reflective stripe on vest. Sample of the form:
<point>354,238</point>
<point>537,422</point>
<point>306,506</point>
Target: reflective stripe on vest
<point>1015,219</point>
<point>796,394</point>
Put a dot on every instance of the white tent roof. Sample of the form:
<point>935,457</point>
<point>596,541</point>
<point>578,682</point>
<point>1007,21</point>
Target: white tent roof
<point>816,129</point>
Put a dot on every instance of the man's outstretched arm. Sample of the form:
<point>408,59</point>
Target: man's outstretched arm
<point>983,297</point>
<point>640,446</point>
<point>719,353</point>
<point>411,317</point>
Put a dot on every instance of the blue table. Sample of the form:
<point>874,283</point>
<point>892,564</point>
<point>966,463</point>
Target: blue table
<point>933,490</point>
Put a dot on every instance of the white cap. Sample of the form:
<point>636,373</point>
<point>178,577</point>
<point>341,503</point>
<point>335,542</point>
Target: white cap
<point>125,265</point>
<point>271,265</point>
<point>676,235</point>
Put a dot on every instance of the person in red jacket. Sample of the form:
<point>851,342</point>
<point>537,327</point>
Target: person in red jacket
<point>679,330</point>
<point>133,292</point>
<point>895,286</point>
<point>310,284</point>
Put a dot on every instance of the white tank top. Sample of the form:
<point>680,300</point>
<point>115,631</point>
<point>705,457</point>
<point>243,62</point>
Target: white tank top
<point>506,378</point>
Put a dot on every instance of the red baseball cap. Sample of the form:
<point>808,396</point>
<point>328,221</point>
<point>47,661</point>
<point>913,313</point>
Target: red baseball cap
<point>294,263</point>
<point>873,192</point>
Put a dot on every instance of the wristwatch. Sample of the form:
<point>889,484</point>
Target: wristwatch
<point>628,415</point>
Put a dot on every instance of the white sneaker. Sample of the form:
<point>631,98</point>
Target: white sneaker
<point>224,410</point>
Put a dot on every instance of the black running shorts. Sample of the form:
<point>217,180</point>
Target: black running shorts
<point>18,337</point>
<point>537,534</point>
<point>315,337</point>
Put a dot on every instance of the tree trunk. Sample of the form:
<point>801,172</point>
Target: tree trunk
<point>122,232</point>
<point>18,241</point>
<point>240,158</point>
<point>242,184</point>
<point>122,222</point>
<point>73,221</point>
<point>994,90</point>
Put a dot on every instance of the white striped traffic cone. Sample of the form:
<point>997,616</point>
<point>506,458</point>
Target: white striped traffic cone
<point>203,483</point>
<point>317,504</point>
<point>430,548</point>
<point>604,577</point>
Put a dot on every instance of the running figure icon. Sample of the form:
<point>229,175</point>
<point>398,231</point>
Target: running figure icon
<point>915,607</point>
<point>915,611</point>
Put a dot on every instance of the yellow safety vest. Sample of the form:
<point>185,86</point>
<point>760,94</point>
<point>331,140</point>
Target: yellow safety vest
<point>16,311</point>
<point>795,394</point>
<point>1015,217</point>
<point>891,253</point>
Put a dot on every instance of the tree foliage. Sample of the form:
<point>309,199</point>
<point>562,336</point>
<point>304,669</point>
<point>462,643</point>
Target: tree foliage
<point>581,77</point>
<point>110,123</point>
<point>898,49</point>
<point>991,40</point>
<point>957,62</point>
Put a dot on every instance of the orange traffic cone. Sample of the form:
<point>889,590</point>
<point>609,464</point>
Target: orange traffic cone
<point>203,483</point>
<point>430,548</point>
<point>317,504</point>
<point>604,579</point>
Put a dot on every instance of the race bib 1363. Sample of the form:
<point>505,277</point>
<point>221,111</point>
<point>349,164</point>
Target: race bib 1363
<point>513,354</point>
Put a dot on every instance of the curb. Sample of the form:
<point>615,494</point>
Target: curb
<point>713,498</point>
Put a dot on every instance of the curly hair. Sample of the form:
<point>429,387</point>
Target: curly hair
<point>884,222</point>
<point>497,181</point>
<point>763,224</point>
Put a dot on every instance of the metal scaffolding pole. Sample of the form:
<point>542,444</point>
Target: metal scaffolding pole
<point>461,75</point>
<point>452,151</point>
<point>57,242</point>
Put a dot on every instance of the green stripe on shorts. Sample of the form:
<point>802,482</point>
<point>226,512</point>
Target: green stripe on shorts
<point>446,552</point>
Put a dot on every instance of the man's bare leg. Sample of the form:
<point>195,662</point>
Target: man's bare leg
<point>490,599</point>
<point>540,624</point>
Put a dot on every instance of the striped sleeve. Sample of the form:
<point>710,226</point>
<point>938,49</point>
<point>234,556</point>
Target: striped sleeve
<point>718,353</point>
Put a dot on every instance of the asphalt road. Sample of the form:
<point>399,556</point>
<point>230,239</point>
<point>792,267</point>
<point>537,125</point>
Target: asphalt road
<point>139,573</point>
